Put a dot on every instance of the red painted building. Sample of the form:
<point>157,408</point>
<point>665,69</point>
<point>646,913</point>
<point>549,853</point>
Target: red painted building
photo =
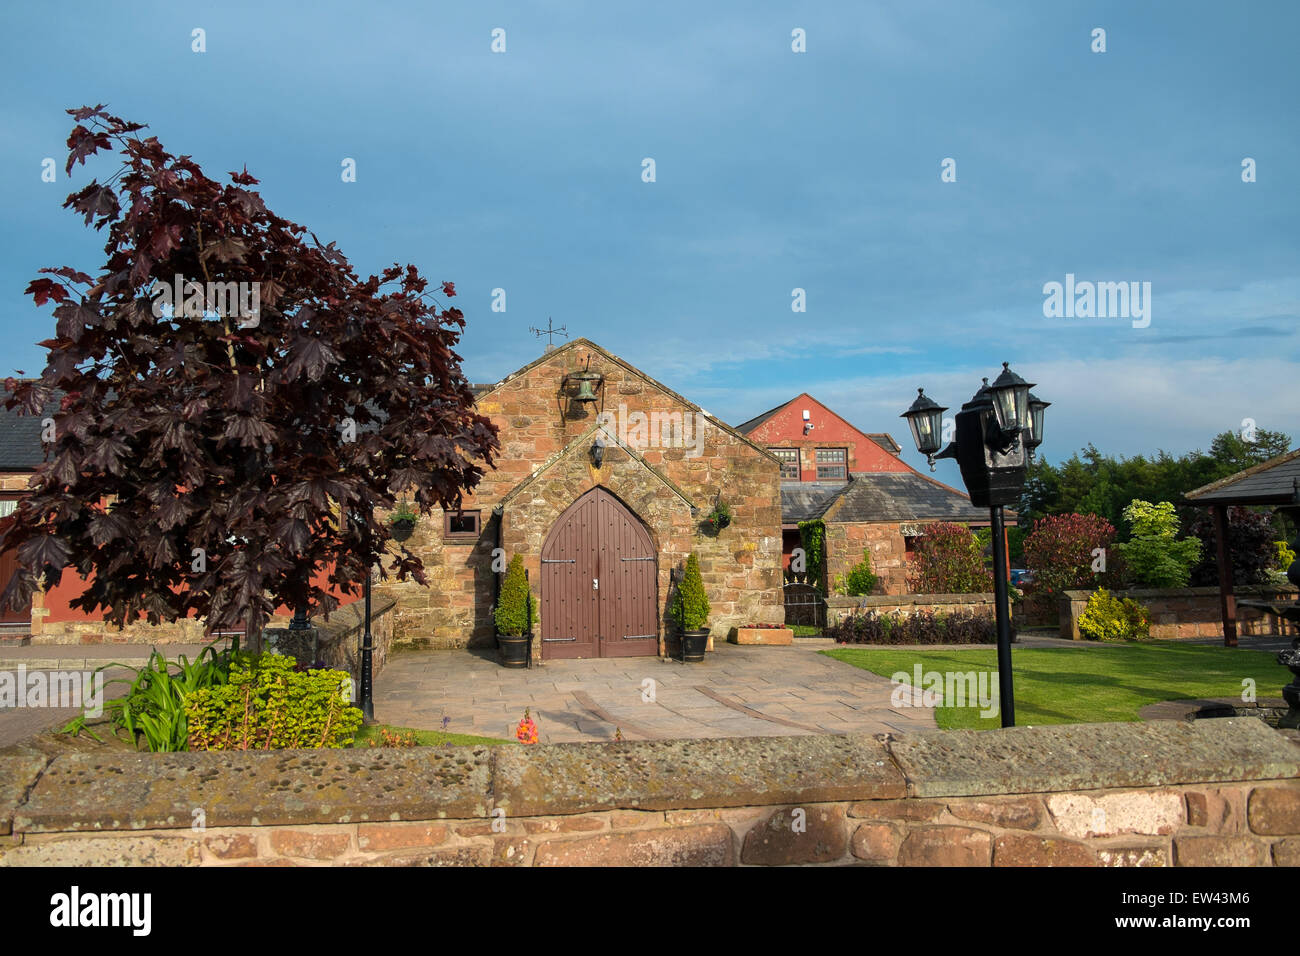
<point>815,444</point>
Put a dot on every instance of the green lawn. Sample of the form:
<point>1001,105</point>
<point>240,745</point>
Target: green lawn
<point>424,738</point>
<point>1065,685</point>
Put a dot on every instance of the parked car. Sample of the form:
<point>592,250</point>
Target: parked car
<point>1020,577</point>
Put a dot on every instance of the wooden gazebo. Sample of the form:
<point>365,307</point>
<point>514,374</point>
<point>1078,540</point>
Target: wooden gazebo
<point>1274,482</point>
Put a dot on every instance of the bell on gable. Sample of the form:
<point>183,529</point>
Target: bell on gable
<point>586,390</point>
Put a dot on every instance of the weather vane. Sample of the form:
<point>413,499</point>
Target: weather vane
<point>550,332</point>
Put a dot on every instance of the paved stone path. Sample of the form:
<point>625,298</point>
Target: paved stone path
<point>736,692</point>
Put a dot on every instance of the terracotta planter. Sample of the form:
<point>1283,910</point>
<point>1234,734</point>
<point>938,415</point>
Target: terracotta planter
<point>772,636</point>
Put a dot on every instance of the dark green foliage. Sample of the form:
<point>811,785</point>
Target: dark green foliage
<point>1092,483</point>
<point>269,705</point>
<point>512,618</point>
<point>812,538</point>
<point>689,607</point>
<point>922,627</point>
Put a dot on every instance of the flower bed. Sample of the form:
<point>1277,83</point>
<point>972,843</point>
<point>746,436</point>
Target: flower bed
<point>921,627</point>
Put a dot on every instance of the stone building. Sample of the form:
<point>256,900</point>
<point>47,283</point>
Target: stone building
<point>604,500</point>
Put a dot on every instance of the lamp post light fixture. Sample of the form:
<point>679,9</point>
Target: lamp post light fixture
<point>997,433</point>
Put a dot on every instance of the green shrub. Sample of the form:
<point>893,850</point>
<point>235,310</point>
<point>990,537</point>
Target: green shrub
<point>1154,557</point>
<point>860,580</point>
<point>153,710</point>
<point>511,613</point>
<point>1285,556</point>
<point>689,607</point>
<point>268,705</point>
<point>1109,618</point>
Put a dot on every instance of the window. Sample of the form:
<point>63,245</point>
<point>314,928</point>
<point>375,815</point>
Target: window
<point>461,524</point>
<point>832,464</point>
<point>789,462</point>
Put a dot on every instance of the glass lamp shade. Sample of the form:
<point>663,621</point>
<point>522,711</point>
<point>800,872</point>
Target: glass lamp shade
<point>1036,407</point>
<point>1011,399</point>
<point>925,418</point>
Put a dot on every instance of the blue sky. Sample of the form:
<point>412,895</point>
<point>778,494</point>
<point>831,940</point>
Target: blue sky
<point>775,170</point>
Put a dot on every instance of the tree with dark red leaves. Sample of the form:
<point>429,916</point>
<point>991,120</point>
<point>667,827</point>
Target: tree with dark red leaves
<point>235,405</point>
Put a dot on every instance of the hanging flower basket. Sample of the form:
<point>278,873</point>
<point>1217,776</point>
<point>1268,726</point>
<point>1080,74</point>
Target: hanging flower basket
<point>718,518</point>
<point>402,521</point>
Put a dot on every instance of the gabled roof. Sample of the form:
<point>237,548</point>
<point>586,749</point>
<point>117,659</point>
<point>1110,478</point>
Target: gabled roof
<point>583,442</point>
<point>1273,482</point>
<point>805,500</point>
<point>883,439</point>
<point>592,346</point>
<point>902,496</point>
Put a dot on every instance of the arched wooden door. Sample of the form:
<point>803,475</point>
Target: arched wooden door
<point>600,583</point>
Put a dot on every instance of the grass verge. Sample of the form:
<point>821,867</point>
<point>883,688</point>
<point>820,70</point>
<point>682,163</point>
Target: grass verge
<point>1066,685</point>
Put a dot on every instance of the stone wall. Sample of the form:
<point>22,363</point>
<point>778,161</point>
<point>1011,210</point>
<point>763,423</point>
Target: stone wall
<point>1187,612</point>
<point>839,607</point>
<point>1211,792</point>
<point>544,466</point>
<point>336,641</point>
<point>845,542</point>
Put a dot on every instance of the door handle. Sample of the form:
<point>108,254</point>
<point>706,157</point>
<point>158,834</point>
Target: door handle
<point>595,584</point>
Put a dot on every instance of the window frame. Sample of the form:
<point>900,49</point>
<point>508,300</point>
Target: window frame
<point>842,464</point>
<point>462,536</point>
<point>796,463</point>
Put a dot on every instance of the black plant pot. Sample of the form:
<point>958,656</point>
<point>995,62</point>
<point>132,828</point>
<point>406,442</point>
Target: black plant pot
<point>402,529</point>
<point>694,643</point>
<point>514,650</point>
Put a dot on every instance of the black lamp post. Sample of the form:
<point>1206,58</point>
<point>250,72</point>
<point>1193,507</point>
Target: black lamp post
<point>367,650</point>
<point>997,432</point>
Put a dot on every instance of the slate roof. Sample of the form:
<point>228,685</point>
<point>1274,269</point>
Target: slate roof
<point>20,438</point>
<point>805,500</point>
<point>1274,482</point>
<point>746,427</point>
<point>902,496</point>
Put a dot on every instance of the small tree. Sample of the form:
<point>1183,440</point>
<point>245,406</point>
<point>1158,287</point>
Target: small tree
<point>511,613</point>
<point>1155,557</point>
<point>1252,547</point>
<point>690,605</point>
<point>1062,552</point>
<point>860,579</point>
<point>948,560</point>
<point>236,407</point>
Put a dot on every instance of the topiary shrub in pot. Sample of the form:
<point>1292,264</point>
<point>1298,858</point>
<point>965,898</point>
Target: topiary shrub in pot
<point>689,609</point>
<point>516,614</point>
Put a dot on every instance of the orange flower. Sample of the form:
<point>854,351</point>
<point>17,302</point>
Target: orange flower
<point>526,732</point>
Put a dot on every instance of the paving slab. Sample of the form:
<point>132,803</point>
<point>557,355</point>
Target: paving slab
<point>738,691</point>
